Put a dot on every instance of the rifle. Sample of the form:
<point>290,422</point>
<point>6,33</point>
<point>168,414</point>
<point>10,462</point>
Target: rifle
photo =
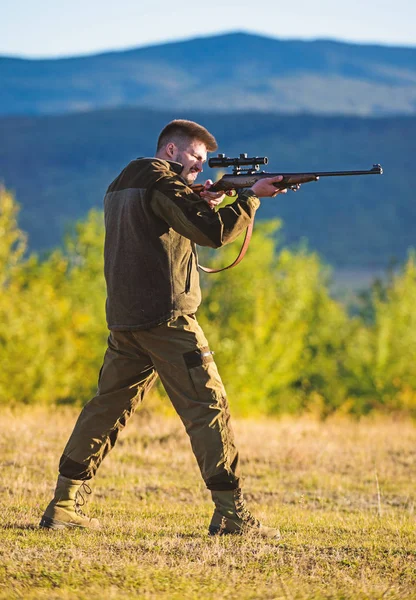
<point>247,176</point>
<point>246,171</point>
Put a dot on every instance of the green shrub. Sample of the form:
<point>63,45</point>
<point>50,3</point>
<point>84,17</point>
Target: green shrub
<point>282,344</point>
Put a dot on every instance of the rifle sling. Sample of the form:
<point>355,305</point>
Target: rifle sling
<point>240,256</point>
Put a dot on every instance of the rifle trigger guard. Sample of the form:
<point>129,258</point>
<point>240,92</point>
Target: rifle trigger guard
<point>295,187</point>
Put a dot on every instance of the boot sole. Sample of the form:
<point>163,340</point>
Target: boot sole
<point>48,523</point>
<point>213,530</point>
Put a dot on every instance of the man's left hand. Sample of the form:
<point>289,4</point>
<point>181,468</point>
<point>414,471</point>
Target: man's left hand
<point>213,198</point>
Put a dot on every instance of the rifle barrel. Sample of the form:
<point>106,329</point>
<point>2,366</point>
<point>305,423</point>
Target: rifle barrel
<point>376,170</point>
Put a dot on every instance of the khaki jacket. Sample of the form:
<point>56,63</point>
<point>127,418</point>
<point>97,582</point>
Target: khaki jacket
<point>153,221</point>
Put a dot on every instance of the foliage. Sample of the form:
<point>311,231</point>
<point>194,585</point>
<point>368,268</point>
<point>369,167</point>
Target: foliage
<point>272,322</point>
<point>281,342</point>
<point>51,312</point>
<point>380,358</point>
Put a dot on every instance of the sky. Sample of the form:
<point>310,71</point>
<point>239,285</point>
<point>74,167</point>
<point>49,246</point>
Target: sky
<point>49,28</point>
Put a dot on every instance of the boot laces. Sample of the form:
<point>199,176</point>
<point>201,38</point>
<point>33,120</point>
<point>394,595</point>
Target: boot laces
<point>81,498</point>
<point>243,512</point>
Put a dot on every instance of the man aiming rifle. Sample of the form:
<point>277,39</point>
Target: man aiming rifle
<point>153,220</point>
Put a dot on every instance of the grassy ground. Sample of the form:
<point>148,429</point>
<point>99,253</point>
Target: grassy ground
<point>342,493</point>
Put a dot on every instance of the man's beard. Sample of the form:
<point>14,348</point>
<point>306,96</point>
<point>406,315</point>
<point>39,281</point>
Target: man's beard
<point>190,175</point>
<point>190,178</point>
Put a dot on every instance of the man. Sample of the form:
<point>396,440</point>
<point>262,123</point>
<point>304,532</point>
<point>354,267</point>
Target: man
<point>153,220</point>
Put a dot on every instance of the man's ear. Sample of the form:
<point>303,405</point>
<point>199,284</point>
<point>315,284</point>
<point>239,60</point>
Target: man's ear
<point>171,150</point>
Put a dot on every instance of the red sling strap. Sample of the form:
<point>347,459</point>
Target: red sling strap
<point>240,256</point>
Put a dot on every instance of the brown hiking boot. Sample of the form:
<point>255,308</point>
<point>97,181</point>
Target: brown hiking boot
<point>64,511</point>
<point>232,516</point>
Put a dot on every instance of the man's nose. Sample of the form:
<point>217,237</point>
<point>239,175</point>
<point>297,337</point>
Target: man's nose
<point>199,166</point>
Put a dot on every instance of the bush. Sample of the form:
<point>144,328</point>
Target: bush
<point>282,344</point>
<point>272,323</point>
<point>53,328</point>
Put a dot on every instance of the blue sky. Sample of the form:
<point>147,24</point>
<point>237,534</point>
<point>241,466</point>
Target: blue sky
<point>47,28</point>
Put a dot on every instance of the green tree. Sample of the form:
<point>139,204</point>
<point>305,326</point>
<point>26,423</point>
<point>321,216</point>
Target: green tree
<point>271,322</point>
<point>380,359</point>
<point>281,342</point>
<point>51,310</point>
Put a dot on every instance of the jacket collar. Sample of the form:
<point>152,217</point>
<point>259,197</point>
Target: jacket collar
<point>175,166</point>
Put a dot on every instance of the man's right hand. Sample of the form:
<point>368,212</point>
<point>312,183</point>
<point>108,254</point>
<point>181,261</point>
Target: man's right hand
<point>264,188</point>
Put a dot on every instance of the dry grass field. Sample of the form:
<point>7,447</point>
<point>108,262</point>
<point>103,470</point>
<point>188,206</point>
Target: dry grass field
<point>343,494</point>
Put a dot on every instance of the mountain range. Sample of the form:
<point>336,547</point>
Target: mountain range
<point>68,126</point>
<point>230,72</point>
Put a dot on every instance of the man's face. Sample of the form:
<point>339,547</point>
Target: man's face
<point>192,159</point>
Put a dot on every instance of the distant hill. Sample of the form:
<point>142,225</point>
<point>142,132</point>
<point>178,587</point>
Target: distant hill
<point>60,166</point>
<point>232,72</point>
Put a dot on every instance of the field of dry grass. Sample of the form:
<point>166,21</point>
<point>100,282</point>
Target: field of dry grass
<point>343,494</point>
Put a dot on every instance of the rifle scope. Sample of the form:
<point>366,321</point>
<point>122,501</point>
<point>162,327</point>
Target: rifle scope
<point>222,161</point>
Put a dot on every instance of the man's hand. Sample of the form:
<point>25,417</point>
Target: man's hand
<point>213,198</point>
<point>264,187</point>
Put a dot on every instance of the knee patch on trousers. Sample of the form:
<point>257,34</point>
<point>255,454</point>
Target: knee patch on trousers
<point>73,470</point>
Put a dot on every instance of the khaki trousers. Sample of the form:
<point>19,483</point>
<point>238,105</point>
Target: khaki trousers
<point>178,352</point>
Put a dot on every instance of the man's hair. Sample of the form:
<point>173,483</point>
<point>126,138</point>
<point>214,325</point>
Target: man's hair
<point>182,132</point>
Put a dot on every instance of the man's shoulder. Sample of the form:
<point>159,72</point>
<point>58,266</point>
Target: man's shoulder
<point>143,172</point>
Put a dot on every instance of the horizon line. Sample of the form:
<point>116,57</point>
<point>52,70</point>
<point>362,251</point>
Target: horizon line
<point>121,49</point>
